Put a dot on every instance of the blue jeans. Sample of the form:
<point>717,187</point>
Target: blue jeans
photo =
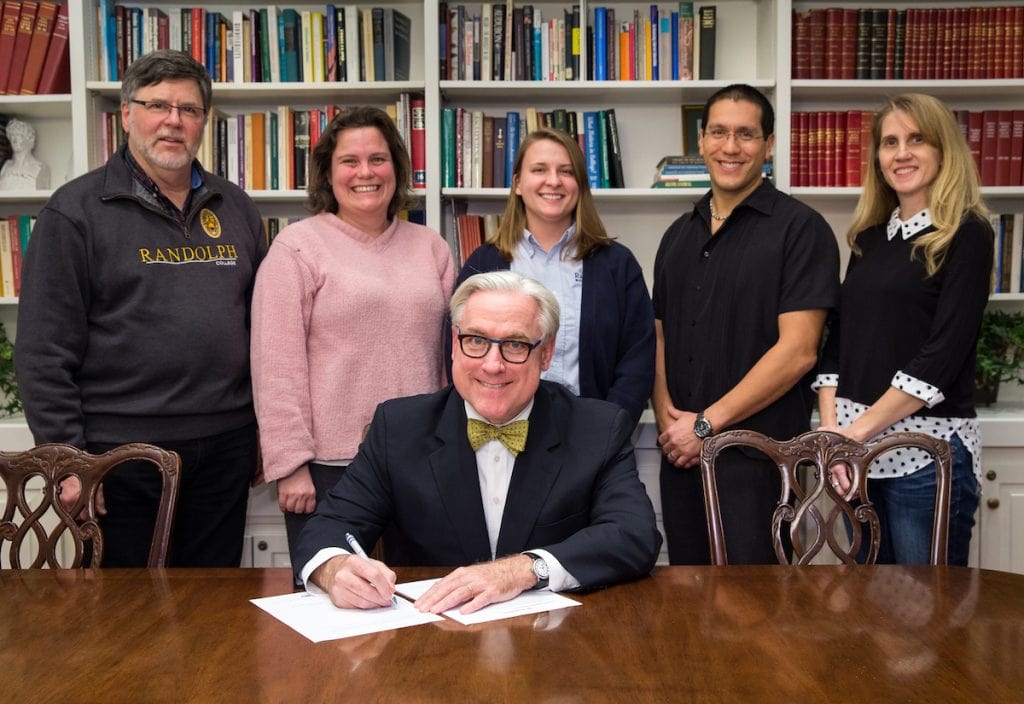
<point>906,508</point>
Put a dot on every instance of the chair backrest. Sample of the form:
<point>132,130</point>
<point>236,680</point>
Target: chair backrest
<point>54,463</point>
<point>801,508</point>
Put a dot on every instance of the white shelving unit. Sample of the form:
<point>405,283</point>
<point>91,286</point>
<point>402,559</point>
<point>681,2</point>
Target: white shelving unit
<point>753,46</point>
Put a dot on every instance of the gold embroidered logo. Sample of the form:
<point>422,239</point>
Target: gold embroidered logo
<point>210,223</point>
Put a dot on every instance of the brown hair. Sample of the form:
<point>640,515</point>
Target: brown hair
<point>590,232</point>
<point>320,194</point>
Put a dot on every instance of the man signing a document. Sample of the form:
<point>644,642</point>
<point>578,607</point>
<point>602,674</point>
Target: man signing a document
<point>527,484</point>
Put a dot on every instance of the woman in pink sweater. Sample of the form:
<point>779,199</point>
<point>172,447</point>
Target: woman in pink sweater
<point>346,311</point>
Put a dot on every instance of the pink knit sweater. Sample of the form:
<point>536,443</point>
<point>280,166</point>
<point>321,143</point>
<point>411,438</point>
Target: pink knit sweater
<point>341,321</point>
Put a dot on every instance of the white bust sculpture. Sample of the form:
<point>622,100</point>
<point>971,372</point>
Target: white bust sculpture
<point>23,171</point>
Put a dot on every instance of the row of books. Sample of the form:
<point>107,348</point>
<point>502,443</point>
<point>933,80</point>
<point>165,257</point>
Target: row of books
<point>829,148</point>
<point>479,151</point>
<point>502,42</point>
<point>652,44</point>
<point>14,235</point>
<point>263,45</point>
<point>913,44</point>
<point>34,48</point>
<point>270,150</point>
<point>996,141</point>
<point>1009,253</point>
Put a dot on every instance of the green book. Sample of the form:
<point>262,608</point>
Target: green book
<point>274,151</point>
<point>448,148</point>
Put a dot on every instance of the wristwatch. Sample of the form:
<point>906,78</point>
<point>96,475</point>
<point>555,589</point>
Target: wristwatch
<point>702,427</point>
<point>540,570</point>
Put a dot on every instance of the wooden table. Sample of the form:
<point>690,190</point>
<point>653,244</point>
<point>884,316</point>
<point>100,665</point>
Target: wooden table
<point>701,634</point>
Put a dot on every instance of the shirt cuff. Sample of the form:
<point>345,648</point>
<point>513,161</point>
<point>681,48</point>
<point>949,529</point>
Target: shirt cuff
<point>824,380</point>
<point>918,389</point>
<point>320,558</point>
<point>559,579</point>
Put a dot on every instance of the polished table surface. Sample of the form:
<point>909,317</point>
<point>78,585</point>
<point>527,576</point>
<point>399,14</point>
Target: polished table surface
<point>701,634</point>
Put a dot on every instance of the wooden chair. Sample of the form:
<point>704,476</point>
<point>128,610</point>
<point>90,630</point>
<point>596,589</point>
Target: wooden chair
<point>55,462</point>
<point>801,507</point>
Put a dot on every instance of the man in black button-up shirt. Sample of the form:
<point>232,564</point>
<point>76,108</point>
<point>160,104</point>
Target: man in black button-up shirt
<point>742,286</point>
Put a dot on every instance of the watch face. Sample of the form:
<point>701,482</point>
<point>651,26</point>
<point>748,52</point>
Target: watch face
<point>540,568</point>
<point>701,427</point>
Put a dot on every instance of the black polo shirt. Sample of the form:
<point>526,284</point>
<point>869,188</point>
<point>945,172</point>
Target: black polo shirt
<point>719,297</point>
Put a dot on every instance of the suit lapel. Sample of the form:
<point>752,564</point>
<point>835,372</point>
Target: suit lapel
<point>535,471</point>
<point>458,481</point>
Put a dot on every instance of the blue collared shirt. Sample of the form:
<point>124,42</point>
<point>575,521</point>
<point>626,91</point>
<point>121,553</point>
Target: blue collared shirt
<point>563,276</point>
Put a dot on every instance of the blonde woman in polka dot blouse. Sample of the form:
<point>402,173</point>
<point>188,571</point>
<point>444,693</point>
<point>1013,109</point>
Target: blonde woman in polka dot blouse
<point>900,353</point>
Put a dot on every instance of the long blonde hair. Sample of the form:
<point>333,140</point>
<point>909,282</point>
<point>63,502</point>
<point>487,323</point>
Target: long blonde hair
<point>590,233</point>
<point>955,193</point>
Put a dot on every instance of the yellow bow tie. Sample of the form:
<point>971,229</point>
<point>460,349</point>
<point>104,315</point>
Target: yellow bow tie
<point>512,436</point>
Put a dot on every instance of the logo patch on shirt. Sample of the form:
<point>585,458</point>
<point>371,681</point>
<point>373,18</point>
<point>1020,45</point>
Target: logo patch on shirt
<point>211,225</point>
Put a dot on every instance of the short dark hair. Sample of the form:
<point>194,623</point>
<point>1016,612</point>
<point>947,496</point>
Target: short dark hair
<point>320,194</point>
<point>165,65</point>
<point>741,91</point>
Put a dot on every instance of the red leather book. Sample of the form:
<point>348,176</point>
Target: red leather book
<point>947,46</point>
<point>839,150</point>
<point>801,45</point>
<point>817,43</point>
<point>418,137</point>
<point>814,136</point>
<point>848,52</point>
<point>852,156</point>
<point>1004,132</point>
<point>833,43</point>
<point>890,44</point>
<point>866,119</point>
<point>933,36</point>
<point>41,33</point>
<point>1017,149</point>
<point>803,143</point>
<point>975,121</point>
<point>56,75</point>
<point>827,145</point>
<point>960,33</point>
<point>8,32</point>
<point>1017,44</point>
<point>199,36</point>
<point>989,144</point>
<point>970,40</point>
<point>22,42</point>
<point>1002,33</point>
<point>794,149</point>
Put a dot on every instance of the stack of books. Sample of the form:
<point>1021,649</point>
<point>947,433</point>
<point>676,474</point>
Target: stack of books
<point>687,171</point>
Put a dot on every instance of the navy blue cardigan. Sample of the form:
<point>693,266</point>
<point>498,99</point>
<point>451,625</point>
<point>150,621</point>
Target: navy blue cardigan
<point>616,325</point>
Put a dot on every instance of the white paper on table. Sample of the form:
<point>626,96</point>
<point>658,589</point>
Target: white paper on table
<point>529,602</point>
<point>314,616</point>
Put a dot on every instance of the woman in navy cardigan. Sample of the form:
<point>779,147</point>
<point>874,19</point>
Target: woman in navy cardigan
<point>551,232</point>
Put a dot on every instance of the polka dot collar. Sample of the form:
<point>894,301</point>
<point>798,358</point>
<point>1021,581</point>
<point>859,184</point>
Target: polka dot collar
<point>909,228</point>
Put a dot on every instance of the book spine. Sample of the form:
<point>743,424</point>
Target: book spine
<point>56,75</point>
<point>593,149</point>
<point>707,42</point>
<point>419,143</point>
<point>600,44</point>
<point>498,177</point>
<point>512,140</point>
<point>22,42</point>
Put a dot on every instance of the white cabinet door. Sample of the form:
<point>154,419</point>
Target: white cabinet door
<point>1002,510</point>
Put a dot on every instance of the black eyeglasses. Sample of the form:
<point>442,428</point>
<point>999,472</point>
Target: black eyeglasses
<point>160,109</point>
<point>512,351</point>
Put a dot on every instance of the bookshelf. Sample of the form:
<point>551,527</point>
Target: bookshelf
<point>754,39</point>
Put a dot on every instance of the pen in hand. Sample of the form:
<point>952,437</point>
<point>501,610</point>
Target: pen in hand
<point>358,550</point>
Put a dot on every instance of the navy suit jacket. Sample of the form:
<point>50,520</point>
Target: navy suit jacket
<point>574,490</point>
